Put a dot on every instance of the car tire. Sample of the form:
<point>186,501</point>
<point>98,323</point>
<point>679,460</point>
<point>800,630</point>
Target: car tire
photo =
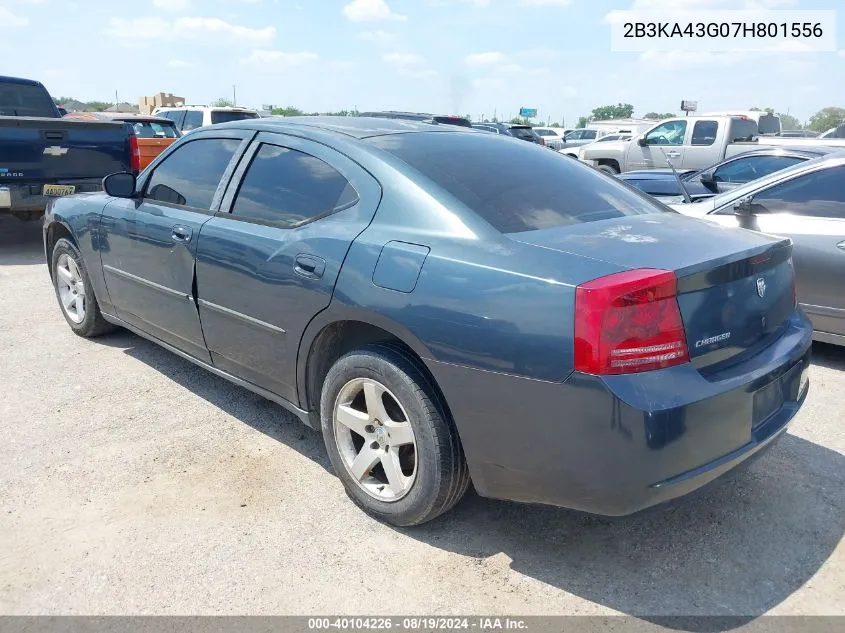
<point>430,476</point>
<point>75,293</point>
<point>607,169</point>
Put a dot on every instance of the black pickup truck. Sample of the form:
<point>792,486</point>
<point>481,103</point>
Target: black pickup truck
<point>43,156</point>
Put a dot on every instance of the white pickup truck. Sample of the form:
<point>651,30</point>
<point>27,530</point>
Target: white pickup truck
<point>694,142</point>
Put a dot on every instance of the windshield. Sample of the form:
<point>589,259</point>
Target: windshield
<point>25,100</point>
<point>452,120</point>
<point>516,187</point>
<point>224,116</point>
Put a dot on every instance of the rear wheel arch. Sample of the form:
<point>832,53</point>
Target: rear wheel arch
<point>330,336</point>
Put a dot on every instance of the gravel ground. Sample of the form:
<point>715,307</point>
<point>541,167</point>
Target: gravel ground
<point>133,482</point>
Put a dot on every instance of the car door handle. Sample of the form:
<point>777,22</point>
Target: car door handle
<point>841,246</point>
<point>309,266</point>
<point>673,154</point>
<point>181,233</point>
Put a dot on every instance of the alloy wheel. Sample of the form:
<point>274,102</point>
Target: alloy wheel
<point>71,288</point>
<point>375,439</point>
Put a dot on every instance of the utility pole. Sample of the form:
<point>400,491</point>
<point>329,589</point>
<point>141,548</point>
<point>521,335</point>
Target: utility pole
<point>116,101</point>
<point>234,94</point>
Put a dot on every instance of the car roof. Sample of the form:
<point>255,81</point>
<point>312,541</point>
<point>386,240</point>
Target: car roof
<point>18,80</point>
<point>792,150</point>
<point>355,127</point>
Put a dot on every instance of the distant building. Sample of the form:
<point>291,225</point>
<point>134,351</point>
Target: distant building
<point>124,107</point>
<point>160,100</point>
<point>74,106</point>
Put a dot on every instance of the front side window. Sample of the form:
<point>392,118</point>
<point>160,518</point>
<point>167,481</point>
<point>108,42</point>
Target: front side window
<point>819,194</point>
<point>589,135</point>
<point>191,174</point>
<point>704,132</point>
<point>288,187</point>
<point>668,133</point>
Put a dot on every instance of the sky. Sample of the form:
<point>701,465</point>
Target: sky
<point>472,57</point>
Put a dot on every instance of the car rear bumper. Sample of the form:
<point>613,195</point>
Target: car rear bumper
<point>15,197</point>
<point>617,445</point>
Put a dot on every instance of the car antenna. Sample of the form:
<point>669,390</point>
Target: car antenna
<point>680,182</point>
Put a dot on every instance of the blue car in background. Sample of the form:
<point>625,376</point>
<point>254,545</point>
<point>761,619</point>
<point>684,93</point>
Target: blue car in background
<point>448,306</point>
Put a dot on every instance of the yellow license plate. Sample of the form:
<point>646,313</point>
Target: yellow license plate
<point>59,190</point>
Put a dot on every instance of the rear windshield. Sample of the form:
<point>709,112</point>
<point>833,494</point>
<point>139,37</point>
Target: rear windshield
<point>525,133</point>
<point>224,116</point>
<point>25,100</point>
<point>769,124</point>
<point>743,130</point>
<point>516,186</point>
<point>544,132</point>
<point>153,129</point>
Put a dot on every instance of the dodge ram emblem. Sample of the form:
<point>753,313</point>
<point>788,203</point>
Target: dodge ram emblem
<point>761,287</point>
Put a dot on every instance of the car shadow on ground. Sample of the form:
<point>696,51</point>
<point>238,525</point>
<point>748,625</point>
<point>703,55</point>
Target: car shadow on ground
<point>20,242</point>
<point>737,550</point>
<point>251,409</point>
<point>829,356</point>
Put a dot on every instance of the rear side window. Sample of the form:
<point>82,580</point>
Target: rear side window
<point>589,134</point>
<point>516,186</point>
<point>288,187</point>
<point>744,170</point>
<point>193,120</point>
<point>25,100</point>
<point>704,132</point>
<point>819,194</point>
<point>224,116</point>
<point>190,175</point>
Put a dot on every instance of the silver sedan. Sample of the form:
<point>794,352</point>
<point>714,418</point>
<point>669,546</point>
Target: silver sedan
<point>805,202</point>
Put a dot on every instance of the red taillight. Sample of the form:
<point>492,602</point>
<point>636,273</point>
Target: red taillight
<point>542,141</point>
<point>134,154</point>
<point>629,322</point>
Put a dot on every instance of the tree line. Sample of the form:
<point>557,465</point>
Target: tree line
<point>821,121</point>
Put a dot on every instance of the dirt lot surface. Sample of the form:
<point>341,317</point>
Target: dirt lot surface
<point>133,482</point>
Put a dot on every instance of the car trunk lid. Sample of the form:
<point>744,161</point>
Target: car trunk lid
<point>735,287</point>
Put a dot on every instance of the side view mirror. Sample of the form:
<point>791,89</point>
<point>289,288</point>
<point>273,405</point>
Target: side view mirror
<point>641,140</point>
<point>120,184</point>
<point>743,206</point>
<point>708,176</point>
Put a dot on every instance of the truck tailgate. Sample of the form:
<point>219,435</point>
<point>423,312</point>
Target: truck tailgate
<point>49,150</point>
